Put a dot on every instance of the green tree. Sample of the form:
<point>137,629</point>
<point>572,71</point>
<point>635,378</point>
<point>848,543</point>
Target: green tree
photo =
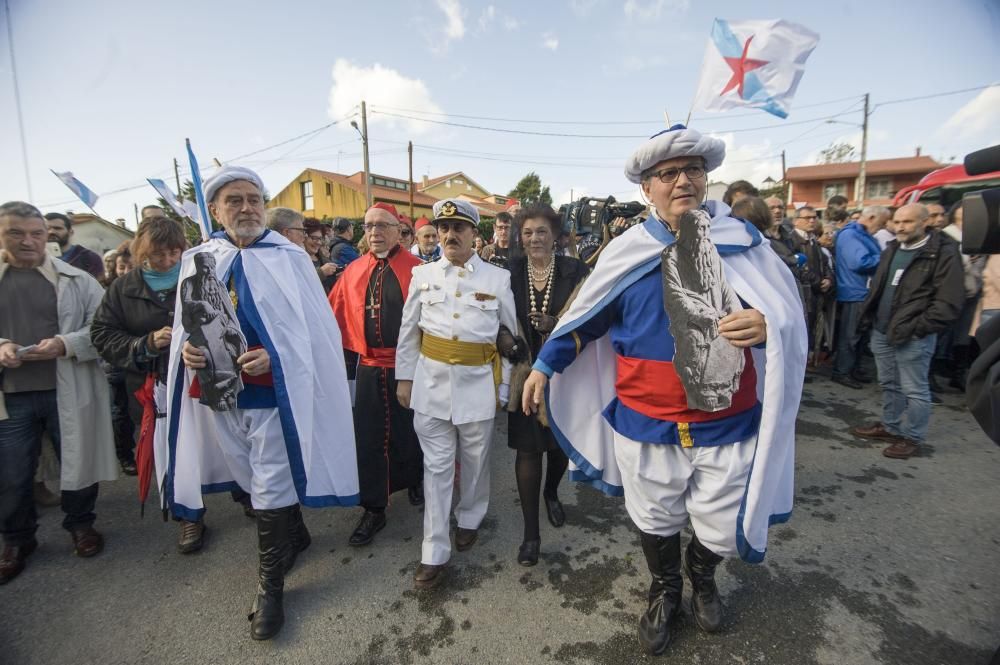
<point>529,190</point>
<point>836,152</point>
<point>191,229</point>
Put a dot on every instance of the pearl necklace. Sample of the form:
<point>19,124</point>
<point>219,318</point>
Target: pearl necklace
<point>545,275</point>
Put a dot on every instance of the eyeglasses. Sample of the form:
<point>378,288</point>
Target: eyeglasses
<point>378,226</point>
<point>315,238</point>
<point>406,232</point>
<point>667,176</point>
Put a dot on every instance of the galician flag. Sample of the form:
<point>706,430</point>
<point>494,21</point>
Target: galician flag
<point>753,63</point>
<point>82,192</point>
<point>181,208</point>
<point>203,219</point>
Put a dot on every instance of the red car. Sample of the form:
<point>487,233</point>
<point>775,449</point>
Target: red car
<point>946,186</point>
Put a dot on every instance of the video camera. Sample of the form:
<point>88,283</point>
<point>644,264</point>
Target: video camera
<point>981,210</point>
<point>589,220</point>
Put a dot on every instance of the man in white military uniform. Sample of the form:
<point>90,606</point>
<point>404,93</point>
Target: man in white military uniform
<point>447,348</point>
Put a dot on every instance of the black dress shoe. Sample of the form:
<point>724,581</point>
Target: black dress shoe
<point>416,495</point>
<point>527,555</point>
<point>845,380</point>
<point>129,468</point>
<point>554,509</point>
<point>13,559</point>
<point>371,523</point>
<point>465,538</point>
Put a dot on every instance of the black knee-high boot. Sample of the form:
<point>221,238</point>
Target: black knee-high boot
<point>299,535</point>
<point>699,564</point>
<point>274,545</point>
<point>663,557</point>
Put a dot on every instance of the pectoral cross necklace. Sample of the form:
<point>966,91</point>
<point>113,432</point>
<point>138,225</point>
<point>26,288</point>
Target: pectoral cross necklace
<point>375,289</point>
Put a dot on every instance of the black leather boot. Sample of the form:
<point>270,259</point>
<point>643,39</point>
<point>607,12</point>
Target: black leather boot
<point>699,564</point>
<point>299,535</point>
<point>274,544</point>
<point>663,557</point>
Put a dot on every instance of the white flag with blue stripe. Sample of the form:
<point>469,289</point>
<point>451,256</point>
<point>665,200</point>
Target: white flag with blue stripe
<point>756,64</point>
<point>82,192</point>
<point>204,220</point>
<point>167,195</point>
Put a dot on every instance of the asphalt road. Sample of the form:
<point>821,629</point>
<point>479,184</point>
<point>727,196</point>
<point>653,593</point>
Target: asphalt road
<point>883,562</point>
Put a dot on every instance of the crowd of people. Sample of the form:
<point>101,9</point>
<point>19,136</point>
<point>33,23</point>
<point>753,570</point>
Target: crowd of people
<point>283,364</point>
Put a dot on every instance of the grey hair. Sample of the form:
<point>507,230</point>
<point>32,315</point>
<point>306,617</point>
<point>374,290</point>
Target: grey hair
<point>279,219</point>
<point>875,211</point>
<point>20,209</point>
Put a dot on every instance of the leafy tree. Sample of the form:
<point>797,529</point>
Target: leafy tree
<point>836,153</point>
<point>529,190</point>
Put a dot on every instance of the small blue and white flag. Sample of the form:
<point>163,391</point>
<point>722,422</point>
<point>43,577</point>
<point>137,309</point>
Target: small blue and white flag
<point>204,220</point>
<point>167,195</point>
<point>756,64</point>
<point>82,192</point>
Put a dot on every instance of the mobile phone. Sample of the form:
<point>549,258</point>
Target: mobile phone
<point>24,350</point>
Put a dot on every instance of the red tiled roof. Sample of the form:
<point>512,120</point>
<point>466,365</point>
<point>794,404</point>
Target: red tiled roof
<point>356,181</point>
<point>899,165</point>
<point>433,181</point>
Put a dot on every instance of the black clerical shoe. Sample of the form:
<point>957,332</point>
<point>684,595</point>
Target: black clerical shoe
<point>370,523</point>
<point>416,495</point>
<point>527,555</point>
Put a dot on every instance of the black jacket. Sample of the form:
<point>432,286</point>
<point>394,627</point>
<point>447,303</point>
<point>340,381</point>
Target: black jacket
<point>929,295</point>
<point>129,312</point>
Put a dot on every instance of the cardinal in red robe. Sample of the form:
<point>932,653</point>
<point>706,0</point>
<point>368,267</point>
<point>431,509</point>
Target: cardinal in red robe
<point>367,301</point>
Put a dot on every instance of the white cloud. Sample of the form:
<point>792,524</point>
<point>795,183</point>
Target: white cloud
<point>651,10</point>
<point>378,86</point>
<point>491,15</point>
<point>455,28</point>
<point>583,8</point>
<point>751,161</point>
<point>550,41</point>
<point>486,17</point>
<point>978,119</point>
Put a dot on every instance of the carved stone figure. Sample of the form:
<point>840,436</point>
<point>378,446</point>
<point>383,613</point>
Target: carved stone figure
<point>208,316</point>
<point>696,296</point>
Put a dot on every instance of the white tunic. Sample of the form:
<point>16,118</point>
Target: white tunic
<point>467,304</point>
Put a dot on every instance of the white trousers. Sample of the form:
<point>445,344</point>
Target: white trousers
<point>440,440</point>
<point>667,486</point>
<point>254,448</point>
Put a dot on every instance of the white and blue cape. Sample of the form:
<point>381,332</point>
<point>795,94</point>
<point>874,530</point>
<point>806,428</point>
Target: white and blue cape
<point>277,290</point>
<point>577,397</point>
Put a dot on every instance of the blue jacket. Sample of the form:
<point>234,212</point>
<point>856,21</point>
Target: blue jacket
<point>857,259</point>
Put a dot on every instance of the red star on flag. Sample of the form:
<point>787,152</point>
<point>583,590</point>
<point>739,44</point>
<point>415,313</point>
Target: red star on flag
<point>740,67</point>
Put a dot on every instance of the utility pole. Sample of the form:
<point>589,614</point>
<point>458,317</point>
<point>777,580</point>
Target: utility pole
<point>136,206</point>
<point>784,181</point>
<point>860,194</point>
<point>17,101</point>
<point>409,152</point>
<point>364,146</point>
<point>177,176</point>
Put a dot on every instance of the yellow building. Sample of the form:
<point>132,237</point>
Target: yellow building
<point>460,186</point>
<point>324,194</point>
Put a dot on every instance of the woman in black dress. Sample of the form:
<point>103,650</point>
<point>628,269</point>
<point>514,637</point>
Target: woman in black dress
<point>542,284</point>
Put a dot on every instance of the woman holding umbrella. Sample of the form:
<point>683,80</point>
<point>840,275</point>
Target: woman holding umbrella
<point>132,329</point>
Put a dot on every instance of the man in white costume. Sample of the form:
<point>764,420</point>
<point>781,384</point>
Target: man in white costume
<point>451,374</point>
<point>290,438</point>
<point>619,409</point>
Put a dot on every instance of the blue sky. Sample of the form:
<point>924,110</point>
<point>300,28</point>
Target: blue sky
<point>111,88</point>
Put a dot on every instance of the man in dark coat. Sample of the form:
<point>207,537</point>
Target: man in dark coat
<point>916,293</point>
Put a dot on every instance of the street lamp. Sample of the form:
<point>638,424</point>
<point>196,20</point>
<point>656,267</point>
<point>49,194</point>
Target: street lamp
<point>363,132</point>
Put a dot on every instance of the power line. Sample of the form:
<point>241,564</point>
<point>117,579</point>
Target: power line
<point>596,122</point>
<point>590,136</point>
<point>931,96</point>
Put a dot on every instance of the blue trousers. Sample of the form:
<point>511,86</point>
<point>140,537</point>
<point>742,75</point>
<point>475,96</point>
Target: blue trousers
<point>902,374</point>
<point>31,413</point>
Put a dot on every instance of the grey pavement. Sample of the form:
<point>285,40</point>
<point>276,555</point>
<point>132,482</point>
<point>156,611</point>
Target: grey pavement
<point>883,561</point>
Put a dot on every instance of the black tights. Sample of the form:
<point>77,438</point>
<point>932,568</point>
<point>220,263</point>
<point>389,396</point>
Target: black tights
<point>528,469</point>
